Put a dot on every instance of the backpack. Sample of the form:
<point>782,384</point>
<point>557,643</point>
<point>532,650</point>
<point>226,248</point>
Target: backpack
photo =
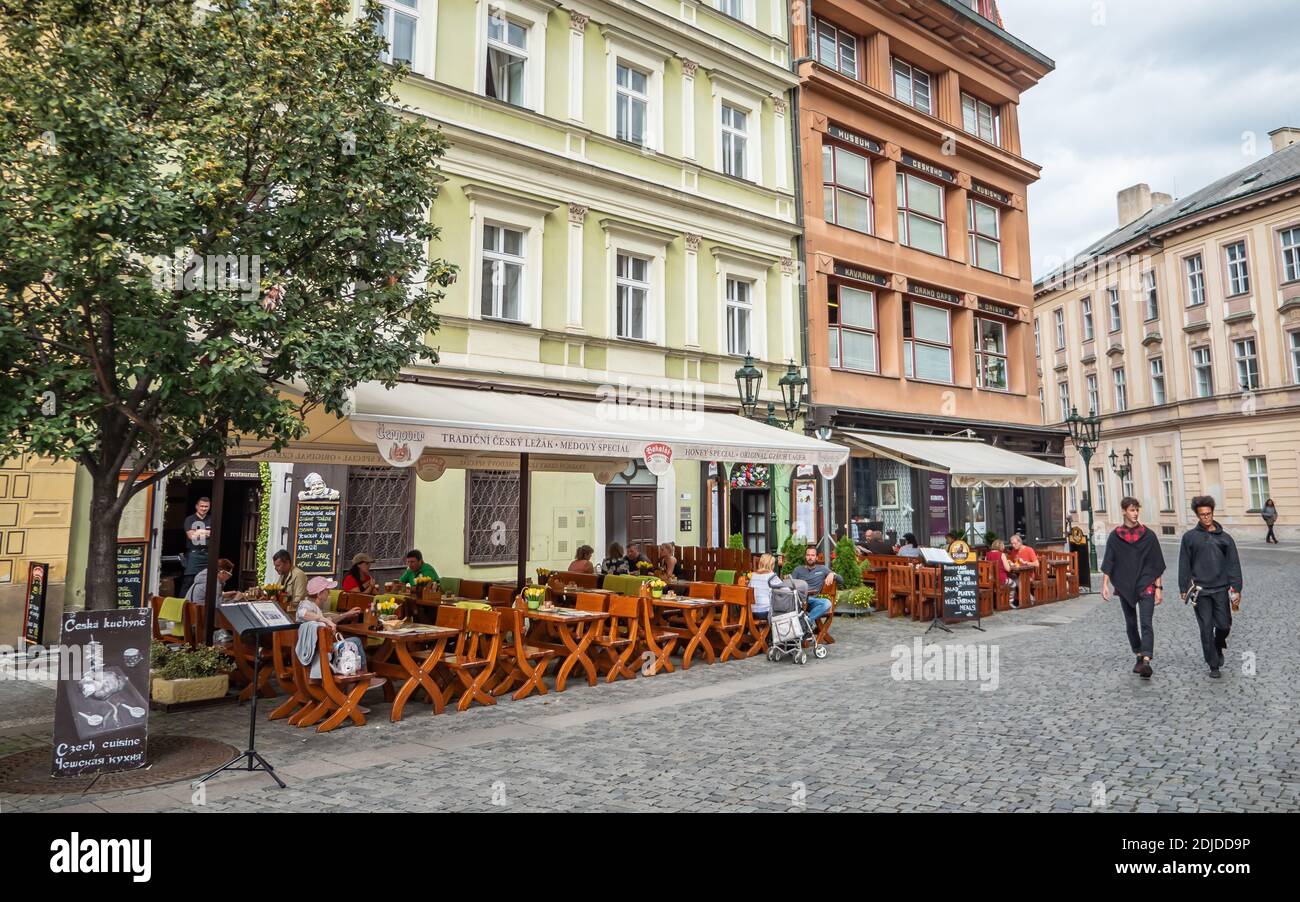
<point>345,660</point>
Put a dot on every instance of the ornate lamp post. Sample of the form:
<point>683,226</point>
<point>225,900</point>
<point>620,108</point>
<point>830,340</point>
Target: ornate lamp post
<point>792,389</point>
<point>824,433</point>
<point>1122,470</point>
<point>747,379</point>
<point>1085,432</point>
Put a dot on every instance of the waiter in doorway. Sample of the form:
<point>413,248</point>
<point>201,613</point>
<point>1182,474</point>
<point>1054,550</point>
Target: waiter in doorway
<point>197,529</point>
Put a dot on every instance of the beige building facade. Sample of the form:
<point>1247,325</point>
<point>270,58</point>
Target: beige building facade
<point>1181,329</point>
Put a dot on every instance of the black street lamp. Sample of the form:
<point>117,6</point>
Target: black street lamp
<point>747,379</point>
<point>1122,470</point>
<point>1085,432</point>
<point>792,388</point>
<point>771,416</point>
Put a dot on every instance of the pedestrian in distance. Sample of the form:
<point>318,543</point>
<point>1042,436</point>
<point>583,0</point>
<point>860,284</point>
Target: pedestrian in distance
<point>1269,513</point>
<point>1133,568</point>
<point>1209,579</point>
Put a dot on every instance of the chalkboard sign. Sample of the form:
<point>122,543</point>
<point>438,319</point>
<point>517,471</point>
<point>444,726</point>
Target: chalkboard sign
<point>961,588</point>
<point>315,537</point>
<point>131,562</point>
<point>38,577</point>
<point>101,710</point>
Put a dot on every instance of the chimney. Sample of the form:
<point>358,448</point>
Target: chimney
<point>1160,200</point>
<point>1284,137</point>
<point>1133,203</point>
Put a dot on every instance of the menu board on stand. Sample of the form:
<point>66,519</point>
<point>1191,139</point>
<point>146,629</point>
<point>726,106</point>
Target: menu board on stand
<point>132,565</point>
<point>34,607</point>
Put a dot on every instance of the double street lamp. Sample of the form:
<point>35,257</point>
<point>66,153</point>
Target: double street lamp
<point>1085,433</point>
<point>792,386</point>
<point>1122,470</point>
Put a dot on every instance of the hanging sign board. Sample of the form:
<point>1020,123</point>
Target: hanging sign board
<point>315,537</point>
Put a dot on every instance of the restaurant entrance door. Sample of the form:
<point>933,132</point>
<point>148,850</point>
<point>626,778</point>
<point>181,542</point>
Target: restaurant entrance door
<point>631,516</point>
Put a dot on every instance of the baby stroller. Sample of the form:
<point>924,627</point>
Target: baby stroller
<point>791,630</point>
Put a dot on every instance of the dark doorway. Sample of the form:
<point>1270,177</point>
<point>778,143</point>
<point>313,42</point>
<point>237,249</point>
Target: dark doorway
<point>630,517</point>
<point>1021,513</point>
<point>239,524</point>
<point>749,512</point>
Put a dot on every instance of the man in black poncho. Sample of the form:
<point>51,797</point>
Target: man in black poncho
<point>1133,568</point>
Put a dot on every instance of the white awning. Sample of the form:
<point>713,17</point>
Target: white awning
<point>438,427</point>
<point>968,462</point>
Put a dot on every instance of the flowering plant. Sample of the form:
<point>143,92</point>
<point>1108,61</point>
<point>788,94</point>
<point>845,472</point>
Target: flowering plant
<point>644,566</point>
<point>423,580</point>
<point>657,583</point>
<point>386,608</point>
<point>532,593</point>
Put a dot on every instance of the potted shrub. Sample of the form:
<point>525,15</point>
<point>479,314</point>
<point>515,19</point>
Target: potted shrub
<point>184,674</point>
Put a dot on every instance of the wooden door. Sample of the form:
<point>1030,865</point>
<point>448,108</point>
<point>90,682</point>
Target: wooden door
<point>248,530</point>
<point>642,525</point>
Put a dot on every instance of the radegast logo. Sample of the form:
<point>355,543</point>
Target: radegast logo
<point>942,663</point>
<point>103,856</point>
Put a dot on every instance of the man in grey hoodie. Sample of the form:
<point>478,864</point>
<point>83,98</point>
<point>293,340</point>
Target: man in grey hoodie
<point>1209,576</point>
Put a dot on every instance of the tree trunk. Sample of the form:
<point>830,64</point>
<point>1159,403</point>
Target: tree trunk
<point>101,562</point>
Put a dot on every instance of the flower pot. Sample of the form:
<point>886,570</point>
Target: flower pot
<point>534,603</point>
<point>656,593</point>
<point>171,692</point>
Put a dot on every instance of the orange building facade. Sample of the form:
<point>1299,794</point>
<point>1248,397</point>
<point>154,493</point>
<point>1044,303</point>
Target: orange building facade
<point>919,291</point>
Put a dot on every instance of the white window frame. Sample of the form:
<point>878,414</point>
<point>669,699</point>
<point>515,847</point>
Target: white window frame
<point>1194,270</point>
<point>1257,481</point>
<point>1203,361</point>
<point>1115,315</point>
<point>730,264</point>
<point>1099,496</point>
<point>905,212</point>
<point>1063,397</point>
<point>973,106</point>
<point>1236,258</point>
<point>490,205</point>
<point>1042,404</point>
<point>1290,253</point>
<point>910,343</point>
<point>1159,387</point>
<point>621,47</point>
<point>1089,329</point>
<point>830,181</point>
<point>738,95</point>
<point>746,10</point>
<point>972,223</point>
<point>1038,338</point>
<point>1248,376</point>
<point>738,296</point>
<point>533,14</point>
<point>840,35</point>
<point>1092,393</point>
<point>638,241</point>
<point>896,69</point>
<point>1059,313</point>
<point>983,356</point>
<point>504,257</point>
<point>838,328</point>
<point>1119,381</point>
<point>1295,356</point>
<point>1151,295</point>
<point>1166,470</point>
<point>426,31</point>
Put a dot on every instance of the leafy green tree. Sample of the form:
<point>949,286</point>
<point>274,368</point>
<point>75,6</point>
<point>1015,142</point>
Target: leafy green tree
<point>846,563</point>
<point>200,204</point>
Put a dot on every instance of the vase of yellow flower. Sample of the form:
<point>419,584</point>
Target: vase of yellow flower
<point>657,587</point>
<point>387,610</point>
<point>425,588</point>
<point>534,596</point>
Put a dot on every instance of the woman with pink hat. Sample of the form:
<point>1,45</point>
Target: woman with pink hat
<point>318,594</point>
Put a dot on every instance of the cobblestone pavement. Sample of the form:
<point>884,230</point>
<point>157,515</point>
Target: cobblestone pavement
<point>1068,728</point>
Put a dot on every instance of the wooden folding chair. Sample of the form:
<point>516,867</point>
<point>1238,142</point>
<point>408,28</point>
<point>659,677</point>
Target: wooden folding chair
<point>337,698</point>
<point>501,595</point>
<point>730,626</point>
<point>617,638</point>
<point>245,655</point>
<point>283,645</point>
<point>703,590</point>
<point>929,593</point>
<point>172,604</point>
<point>522,661</point>
<point>987,586</point>
<point>474,662</point>
<point>655,639</point>
<point>473,589</point>
<point>591,601</point>
<point>902,588</point>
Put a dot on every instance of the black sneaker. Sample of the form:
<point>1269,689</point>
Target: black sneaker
<point>1137,668</point>
<point>1214,673</point>
<point>1146,671</point>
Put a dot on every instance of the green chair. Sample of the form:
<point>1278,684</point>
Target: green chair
<point>333,603</point>
<point>725,577</point>
<point>173,609</point>
<point>449,585</point>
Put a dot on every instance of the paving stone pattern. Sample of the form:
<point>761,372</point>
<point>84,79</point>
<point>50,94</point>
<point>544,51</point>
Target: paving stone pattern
<point>1069,728</point>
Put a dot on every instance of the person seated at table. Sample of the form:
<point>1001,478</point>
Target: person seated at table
<point>634,557</point>
<point>310,609</point>
<point>758,581</point>
<point>198,591</point>
<point>1001,562</point>
<point>582,563</point>
<point>669,566</point>
<point>1022,558</point>
<point>417,566</point>
<point>821,579</point>
<point>293,582</point>
<point>909,548</point>
<point>358,578</point>
<point>616,563</point>
<point>876,543</point>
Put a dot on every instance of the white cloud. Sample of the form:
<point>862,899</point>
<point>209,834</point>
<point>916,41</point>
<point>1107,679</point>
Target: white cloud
<point>1156,91</point>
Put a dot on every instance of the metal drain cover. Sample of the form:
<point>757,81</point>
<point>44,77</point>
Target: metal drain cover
<point>171,758</point>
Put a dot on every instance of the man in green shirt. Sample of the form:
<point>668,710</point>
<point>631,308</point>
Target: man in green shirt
<point>416,566</point>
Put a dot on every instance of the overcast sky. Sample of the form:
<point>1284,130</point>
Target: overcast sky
<point>1156,91</point>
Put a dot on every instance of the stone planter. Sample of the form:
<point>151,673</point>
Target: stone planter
<point>172,692</point>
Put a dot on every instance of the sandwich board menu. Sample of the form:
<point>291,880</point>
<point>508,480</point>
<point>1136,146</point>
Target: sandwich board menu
<point>132,559</point>
<point>34,609</point>
<point>101,709</point>
<point>315,537</point>
<point>960,592</point>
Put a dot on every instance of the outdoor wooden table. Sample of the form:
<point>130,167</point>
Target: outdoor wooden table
<point>698,615</point>
<point>1061,576</point>
<point>1024,591</point>
<point>566,622</point>
<point>573,591</point>
<point>393,660</point>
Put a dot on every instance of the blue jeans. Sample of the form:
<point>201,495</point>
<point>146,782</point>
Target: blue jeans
<point>817,607</point>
